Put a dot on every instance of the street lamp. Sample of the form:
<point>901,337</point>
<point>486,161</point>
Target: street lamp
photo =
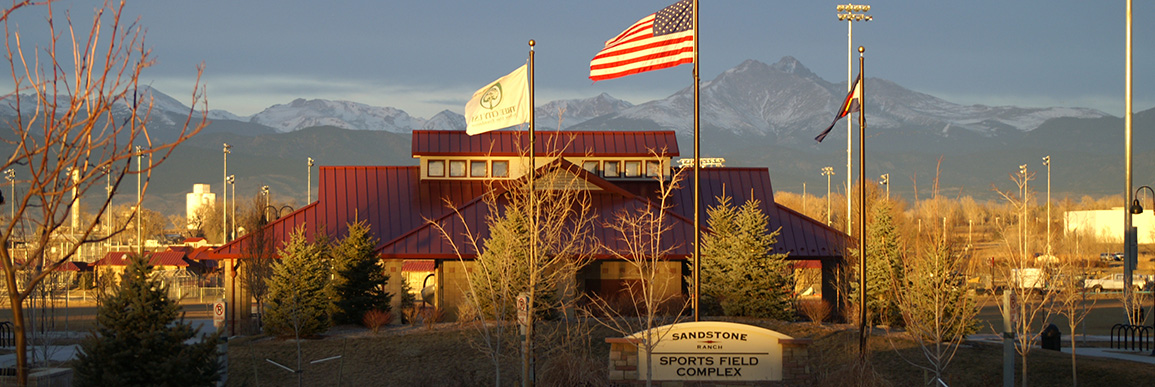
<point>827,171</point>
<point>139,199</point>
<point>309,183</point>
<point>850,13</point>
<point>1137,209</point>
<point>1047,163</point>
<point>225,194</point>
<point>885,180</point>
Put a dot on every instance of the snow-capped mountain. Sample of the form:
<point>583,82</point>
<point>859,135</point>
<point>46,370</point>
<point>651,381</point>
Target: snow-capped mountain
<point>301,113</point>
<point>789,102</point>
<point>576,111</point>
<point>445,120</point>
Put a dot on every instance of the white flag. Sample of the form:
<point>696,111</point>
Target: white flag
<point>501,104</point>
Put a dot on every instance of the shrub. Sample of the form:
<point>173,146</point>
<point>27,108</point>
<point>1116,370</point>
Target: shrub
<point>376,318</point>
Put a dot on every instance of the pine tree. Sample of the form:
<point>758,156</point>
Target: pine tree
<point>883,268</point>
<point>503,269</point>
<point>737,268</point>
<point>358,283</point>
<point>140,342</point>
<point>297,303</point>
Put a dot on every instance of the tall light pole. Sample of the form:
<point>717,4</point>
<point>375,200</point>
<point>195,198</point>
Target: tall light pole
<point>225,194</point>
<point>827,171</point>
<point>1047,163</point>
<point>309,184</point>
<point>885,180</point>
<point>850,13</point>
<point>139,200</point>
<point>1023,217</point>
<point>1130,237</point>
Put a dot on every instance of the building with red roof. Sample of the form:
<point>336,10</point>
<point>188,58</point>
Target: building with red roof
<point>620,171</point>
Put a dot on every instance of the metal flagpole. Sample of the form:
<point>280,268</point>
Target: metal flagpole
<point>527,356</point>
<point>697,182</point>
<point>862,207</point>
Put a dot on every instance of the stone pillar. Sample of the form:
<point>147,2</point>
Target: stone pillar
<point>392,269</point>
<point>238,314</point>
<point>623,360</point>
<point>796,362</point>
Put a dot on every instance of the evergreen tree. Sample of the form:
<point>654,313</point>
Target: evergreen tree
<point>358,283</point>
<point>297,302</point>
<point>503,269</point>
<point>738,270</point>
<point>140,342</point>
<point>883,269</point>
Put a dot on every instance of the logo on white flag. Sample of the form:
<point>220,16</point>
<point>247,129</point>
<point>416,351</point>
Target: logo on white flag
<point>501,104</point>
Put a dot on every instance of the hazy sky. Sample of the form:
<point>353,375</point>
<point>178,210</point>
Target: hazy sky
<point>429,55</point>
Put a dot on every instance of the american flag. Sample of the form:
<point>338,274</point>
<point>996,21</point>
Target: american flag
<point>663,39</point>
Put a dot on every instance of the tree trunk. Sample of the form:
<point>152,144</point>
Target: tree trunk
<point>18,333</point>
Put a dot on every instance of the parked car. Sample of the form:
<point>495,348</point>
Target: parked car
<point>1111,257</point>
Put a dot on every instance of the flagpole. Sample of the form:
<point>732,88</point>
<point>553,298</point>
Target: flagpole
<point>528,376</point>
<point>697,182</point>
<point>861,206</point>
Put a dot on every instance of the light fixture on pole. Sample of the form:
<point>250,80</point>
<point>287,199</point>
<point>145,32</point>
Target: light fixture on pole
<point>1047,163</point>
<point>225,196</point>
<point>827,171</point>
<point>885,180</point>
<point>850,13</point>
<point>265,211</point>
<point>308,183</point>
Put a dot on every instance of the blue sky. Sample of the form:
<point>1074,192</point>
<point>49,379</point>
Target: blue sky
<point>426,56</point>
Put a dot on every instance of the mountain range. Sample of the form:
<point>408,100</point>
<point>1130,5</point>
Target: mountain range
<point>754,114</point>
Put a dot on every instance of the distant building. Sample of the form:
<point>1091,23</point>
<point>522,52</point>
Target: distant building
<point>1107,225</point>
<point>201,196</point>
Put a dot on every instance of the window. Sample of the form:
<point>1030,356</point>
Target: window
<point>590,166</point>
<point>653,168</point>
<point>457,168</point>
<point>436,168</point>
<point>610,169</point>
<point>633,168</point>
<point>500,169</point>
<point>477,168</point>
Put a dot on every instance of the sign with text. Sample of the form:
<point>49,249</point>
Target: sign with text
<point>713,350</point>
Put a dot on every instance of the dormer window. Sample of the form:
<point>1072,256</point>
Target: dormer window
<point>653,168</point>
<point>457,168</point>
<point>436,168</point>
<point>633,168</point>
<point>590,166</point>
<point>610,169</point>
<point>477,168</point>
<point>500,168</point>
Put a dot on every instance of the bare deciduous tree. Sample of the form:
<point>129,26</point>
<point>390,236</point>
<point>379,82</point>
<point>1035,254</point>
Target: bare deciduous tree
<point>81,121</point>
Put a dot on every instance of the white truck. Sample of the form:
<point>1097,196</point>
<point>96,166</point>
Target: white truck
<point>1114,282</point>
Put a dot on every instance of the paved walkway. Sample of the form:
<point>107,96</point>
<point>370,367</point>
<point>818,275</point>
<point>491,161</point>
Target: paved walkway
<point>68,352</point>
<point>1135,356</point>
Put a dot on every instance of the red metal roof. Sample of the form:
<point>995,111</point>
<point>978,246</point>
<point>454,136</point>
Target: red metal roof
<point>397,205</point>
<point>566,143</point>
<point>168,258</point>
<point>113,258</point>
<point>421,265</point>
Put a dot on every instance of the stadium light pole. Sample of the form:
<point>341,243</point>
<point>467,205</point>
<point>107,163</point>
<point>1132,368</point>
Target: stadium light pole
<point>850,13</point>
<point>225,196</point>
<point>1130,242</point>
<point>1023,217</point>
<point>139,200</point>
<point>1047,163</point>
<point>827,171</point>
<point>308,183</point>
